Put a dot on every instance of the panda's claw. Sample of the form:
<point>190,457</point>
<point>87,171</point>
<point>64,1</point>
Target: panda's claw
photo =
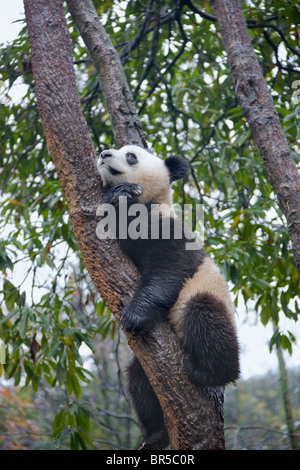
<point>139,189</point>
<point>129,190</point>
<point>131,322</point>
<point>128,324</point>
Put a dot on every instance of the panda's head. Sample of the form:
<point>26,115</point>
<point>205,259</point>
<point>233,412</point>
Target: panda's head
<point>133,164</point>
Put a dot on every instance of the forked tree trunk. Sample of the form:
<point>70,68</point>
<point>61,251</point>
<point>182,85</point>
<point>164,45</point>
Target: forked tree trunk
<point>256,102</point>
<point>194,419</point>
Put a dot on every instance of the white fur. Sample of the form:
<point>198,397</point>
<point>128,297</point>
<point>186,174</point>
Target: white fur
<point>207,279</point>
<point>150,172</point>
<point>153,175</point>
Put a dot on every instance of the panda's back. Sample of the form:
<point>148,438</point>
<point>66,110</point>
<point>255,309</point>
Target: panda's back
<point>163,248</point>
<point>207,281</point>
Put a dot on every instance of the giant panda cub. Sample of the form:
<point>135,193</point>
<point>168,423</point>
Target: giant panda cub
<point>180,285</point>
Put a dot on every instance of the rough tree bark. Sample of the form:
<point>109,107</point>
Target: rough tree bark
<point>256,102</point>
<point>118,97</point>
<point>194,418</point>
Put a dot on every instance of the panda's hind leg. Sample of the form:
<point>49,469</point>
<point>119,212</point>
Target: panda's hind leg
<point>209,341</point>
<point>147,408</point>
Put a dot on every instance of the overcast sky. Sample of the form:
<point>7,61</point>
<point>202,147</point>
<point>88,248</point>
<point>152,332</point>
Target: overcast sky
<point>11,11</point>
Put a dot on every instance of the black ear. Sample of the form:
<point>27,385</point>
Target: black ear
<point>178,167</point>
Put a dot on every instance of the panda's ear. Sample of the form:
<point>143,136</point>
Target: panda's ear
<point>177,166</point>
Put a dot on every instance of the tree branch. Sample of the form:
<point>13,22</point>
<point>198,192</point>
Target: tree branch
<point>256,102</point>
<point>70,145</point>
<point>137,40</point>
<point>113,83</point>
<point>281,34</point>
<point>194,418</point>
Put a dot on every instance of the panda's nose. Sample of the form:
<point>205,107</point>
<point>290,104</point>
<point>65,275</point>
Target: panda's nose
<point>105,154</point>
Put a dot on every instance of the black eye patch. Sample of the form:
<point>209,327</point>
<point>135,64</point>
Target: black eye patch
<point>131,158</point>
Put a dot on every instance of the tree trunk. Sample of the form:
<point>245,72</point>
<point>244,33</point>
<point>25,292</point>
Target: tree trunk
<point>70,145</point>
<point>194,418</point>
<point>114,86</point>
<point>256,102</point>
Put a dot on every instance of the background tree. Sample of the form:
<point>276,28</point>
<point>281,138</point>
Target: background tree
<point>175,88</point>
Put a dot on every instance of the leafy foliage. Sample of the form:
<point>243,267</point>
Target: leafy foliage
<point>50,419</point>
<point>254,415</point>
<point>177,69</point>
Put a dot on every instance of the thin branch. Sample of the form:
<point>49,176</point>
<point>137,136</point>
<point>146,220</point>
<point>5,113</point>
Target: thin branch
<point>275,48</point>
<point>113,83</point>
<point>154,49</point>
<point>264,428</point>
<point>201,13</point>
<point>139,37</point>
<point>278,30</point>
<point>157,81</point>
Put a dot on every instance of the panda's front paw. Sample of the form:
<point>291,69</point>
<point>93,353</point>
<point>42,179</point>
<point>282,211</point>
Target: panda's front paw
<point>131,322</point>
<point>130,190</point>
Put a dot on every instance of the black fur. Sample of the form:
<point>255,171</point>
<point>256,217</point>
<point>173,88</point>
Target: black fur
<point>147,408</point>
<point>164,265</point>
<point>177,167</point>
<point>129,190</point>
<point>131,158</point>
<point>209,340</point>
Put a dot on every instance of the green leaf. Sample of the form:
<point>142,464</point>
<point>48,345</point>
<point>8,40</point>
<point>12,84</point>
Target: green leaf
<point>69,383</point>
<point>61,373</point>
<point>35,382</point>
<point>2,352</point>
<point>17,376</point>
<point>5,261</point>
<point>11,295</point>
<point>59,422</point>
<point>85,438</point>
<point>76,386</point>
<point>265,314</point>
<point>286,343</point>
<point>25,314</point>
<point>74,440</point>
<point>71,360</point>
<point>83,419</point>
